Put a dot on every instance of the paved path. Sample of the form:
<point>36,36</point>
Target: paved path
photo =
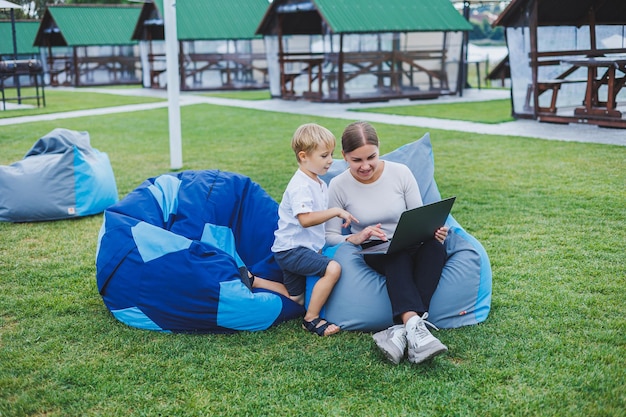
<point>523,128</point>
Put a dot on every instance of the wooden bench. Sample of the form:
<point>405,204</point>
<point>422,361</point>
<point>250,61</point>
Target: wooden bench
<point>555,58</point>
<point>305,64</point>
<point>548,85</point>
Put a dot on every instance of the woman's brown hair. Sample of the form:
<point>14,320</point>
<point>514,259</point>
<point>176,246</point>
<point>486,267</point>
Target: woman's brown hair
<point>358,134</point>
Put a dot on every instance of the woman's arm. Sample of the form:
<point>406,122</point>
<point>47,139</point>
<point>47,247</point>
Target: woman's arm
<point>412,194</point>
<point>334,227</point>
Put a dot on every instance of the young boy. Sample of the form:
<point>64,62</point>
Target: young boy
<point>301,234</point>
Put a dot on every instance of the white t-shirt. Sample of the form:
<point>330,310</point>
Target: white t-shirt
<point>382,201</point>
<point>302,195</point>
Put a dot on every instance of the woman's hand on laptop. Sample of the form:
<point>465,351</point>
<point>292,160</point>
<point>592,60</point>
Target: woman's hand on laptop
<point>366,234</point>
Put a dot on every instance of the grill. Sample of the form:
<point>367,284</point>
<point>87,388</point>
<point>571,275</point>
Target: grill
<point>16,68</point>
<point>21,67</point>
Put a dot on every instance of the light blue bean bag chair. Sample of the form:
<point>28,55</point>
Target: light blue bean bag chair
<point>60,177</point>
<point>359,301</point>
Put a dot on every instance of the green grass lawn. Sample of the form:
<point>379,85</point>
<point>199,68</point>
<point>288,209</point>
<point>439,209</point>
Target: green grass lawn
<point>494,111</point>
<point>550,215</point>
<point>62,101</point>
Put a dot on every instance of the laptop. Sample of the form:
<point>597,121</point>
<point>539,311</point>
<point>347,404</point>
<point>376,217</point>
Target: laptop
<point>414,227</point>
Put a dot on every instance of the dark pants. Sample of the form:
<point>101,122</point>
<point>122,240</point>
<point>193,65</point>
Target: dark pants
<point>412,276</point>
<point>297,264</point>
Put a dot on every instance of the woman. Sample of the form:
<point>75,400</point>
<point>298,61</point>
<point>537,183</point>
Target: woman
<point>377,192</point>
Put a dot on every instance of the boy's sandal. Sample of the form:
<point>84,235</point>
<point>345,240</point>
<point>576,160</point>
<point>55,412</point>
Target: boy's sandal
<point>314,326</point>
<point>246,277</point>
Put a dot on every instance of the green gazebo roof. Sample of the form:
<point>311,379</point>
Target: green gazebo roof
<point>353,16</point>
<point>212,19</point>
<point>366,16</point>
<point>86,25</point>
<point>25,32</point>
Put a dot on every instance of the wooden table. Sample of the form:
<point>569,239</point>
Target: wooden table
<point>592,106</point>
<point>307,64</point>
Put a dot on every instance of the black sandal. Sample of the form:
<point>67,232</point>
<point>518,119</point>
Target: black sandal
<point>246,277</point>
<point>312,326</point>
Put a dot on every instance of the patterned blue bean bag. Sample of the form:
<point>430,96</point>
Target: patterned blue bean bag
<point>170,254</point>
<point>359,301</point>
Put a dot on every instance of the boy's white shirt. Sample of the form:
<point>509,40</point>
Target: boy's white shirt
<point>302,195</point>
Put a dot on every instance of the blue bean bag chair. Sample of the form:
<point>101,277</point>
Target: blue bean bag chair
<point>170,255</point>
<point>359,301</point>
<point>60,177</point>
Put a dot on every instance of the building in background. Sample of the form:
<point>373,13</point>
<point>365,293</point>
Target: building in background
<point>218,47</point>
<point>363,50</point>
<point>87,45</point>
<point>567,60</point>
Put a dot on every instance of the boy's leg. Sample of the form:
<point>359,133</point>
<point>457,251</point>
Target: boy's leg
<point>322,289</point>
<point>252,281</point>
<point>307,263</point>
<point>293,280</point>
<point>297,264</point>
<point>270,285</point>
<point>298,299</point>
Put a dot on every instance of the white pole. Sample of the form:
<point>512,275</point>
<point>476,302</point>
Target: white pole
<point>145,64</point>
<point>173,83</point>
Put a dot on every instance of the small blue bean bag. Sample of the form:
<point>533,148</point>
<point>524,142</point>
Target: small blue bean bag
<point>60,177</point>
<point>170,255</point>
<point>359,301</point>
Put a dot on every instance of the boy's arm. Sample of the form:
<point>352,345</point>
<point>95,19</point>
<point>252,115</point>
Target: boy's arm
<point>313,218</point>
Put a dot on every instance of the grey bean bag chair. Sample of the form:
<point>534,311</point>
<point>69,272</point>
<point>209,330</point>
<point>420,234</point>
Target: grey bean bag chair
<point>359,301</point>
<point>60,177</point>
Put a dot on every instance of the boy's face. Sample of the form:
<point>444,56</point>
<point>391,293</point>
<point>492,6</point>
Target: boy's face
<point>316,162</point>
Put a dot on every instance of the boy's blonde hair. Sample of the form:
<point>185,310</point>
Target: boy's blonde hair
<point>311,136</point>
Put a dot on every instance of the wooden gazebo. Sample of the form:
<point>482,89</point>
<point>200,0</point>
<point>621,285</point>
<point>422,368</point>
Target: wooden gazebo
<point>218,47</point>
<point>363,50</point>
<point>90,44</point>
<point>567,60</point>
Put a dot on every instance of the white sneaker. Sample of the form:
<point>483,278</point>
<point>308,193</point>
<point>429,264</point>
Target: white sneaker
<point>392,342</point>
<point>422,344</point>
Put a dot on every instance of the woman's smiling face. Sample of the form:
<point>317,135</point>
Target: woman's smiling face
<point>364,164</point>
